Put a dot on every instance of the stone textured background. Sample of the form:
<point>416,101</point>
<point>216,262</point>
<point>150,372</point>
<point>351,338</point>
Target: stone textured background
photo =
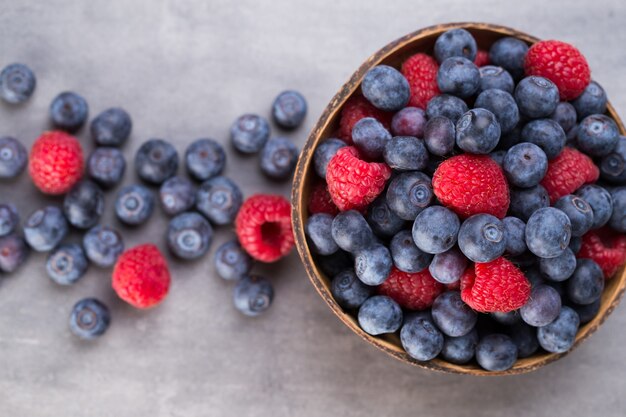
<point>185,69</point>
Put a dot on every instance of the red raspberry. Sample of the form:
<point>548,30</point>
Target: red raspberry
<point>412,291</point>
<point>568,172</point>
<point>561,63</point>
<point>56,162</point>
<point>605,247</point>
<point>263,226</point>
<point>496,286</point>
<point>482,58</point>
<point>472,184</point>
<point>352,182</point>
<point>355,109</point>
<point>141,276</point>
<point>320,200</point>
<point>421,72</point>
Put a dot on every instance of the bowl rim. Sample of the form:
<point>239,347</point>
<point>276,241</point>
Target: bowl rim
<point>299,214</point>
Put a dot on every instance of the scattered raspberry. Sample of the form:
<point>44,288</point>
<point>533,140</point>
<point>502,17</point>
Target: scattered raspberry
<point>482,58</point>
<point>263,226</point>
<point>605,247</point>
<point>355,109</point>
<point>496,286</point>
<point>412,291</point>
<point>421,72</point>
<point>568,172</point>
<point>352,182</point>
<point>472,184</point>
<point>56,162</point>
<point>320,200</point>
<point>561,63</point>
<point>141,276</point>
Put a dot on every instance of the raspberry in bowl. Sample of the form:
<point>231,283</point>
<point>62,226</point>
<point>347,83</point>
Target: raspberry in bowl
<point>460,202</point>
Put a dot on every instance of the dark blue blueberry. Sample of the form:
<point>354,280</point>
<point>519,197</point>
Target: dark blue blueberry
<point>435,229</point>
<point>111,127</point>
<point>45,229</point>
<point>548,232</point>
<point>509,53</point>
<point>481,238</point>
<point>452,316</point>
<point>409,193</point>
<point>386,88</point>
<point>597,135</point>
<point>564,115</point>
<point>502,105</point>
<point>17,83</point>
<point>406,153</point>
<point>177,195</point>
<point>278,158</point>
<point>477,131</point>
<point>525,201</point>
<point>496,352</point>
<point>106,166</point>
<point>66,264</point>
<point>613,166</point>
<point>406,256</point>
<point>9,219</point>
<point>542,307</point>
<point>536,97</point>
<point>351,231</point>
<point>13,253</point>
<point>289,109</point>
<point>373,264</point>
<point>455,42</point>
<point>514,236</point>
<point>587,312</point>
<point>249,133</point>
<point>253,295</point>
<point>460,350</point>
<point>559,336</point>
<point>458,76</point>
<point>83,205</point>
<point>618,218</point>
<point>318,230</point>
<point>189,235</point>
<point>525,338</point>
<point>525,260</point>
<point>507,140</point>
<point>533,275</point>
<point>349,292</point>
<point>370,137</point>
<point>68,111</point>
<point>575,244</point>
<point>156,161</point>
<point>600,201</point>
<point>103,245</point>
<point>571,136</point>
<point>409,121</point>
<point>496,77</point>
<point>13,157</point>
<point>440,136</point>
<point>219,199</point>
<point>232,262</point>
<point>90,319</point>
<point>324,153</point>
<point>383,221</point>
<point>508,319</point>
<point>446,105</point>
<point>586,283</point>
<point>498,157</point>
<point>560,268</point>
<point>447,267</point>
<point>421,339</point>
<point>134,204</point>
<point>204,159</point>
<point>593,100</point>
<point>547,134</point>
<point>380,314</point>
<point>525,165</point>
<point>332,265</point>
<point>579,212</point>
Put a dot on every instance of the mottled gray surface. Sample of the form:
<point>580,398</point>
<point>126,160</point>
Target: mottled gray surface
<point>186,69</point>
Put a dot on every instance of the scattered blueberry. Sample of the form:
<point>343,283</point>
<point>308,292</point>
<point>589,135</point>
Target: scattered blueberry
<point>600,201</point>
<point>495,77</point>
<point>547,134</point>
<point>409,193</point>
<point>579,212</point>
<point>440,136</point>
<point>421,339</point>
<point>232,262</point>
<point>496,352</point>
<point>66,264</point>
<point>17,83</point>
<point>564,115</point>
<point>289,109</point>
<point>370,137</point>
<point>452,316</point>
<point>406,256</point>
<point>219,200</point>
<point>482,238</point>
<point>386,88</point>
<point>514,236</point>
<point>351,231</point>
<point>349,292</point>
<point>324,153</point>
<point>112,127</point>
<point>446,105</point>
<point>618,218</point>
<point>380,314</point>
<point>13,253</point>
<point>90,319</point>
<point>318,230</point>
<point>177,195</point>
<point>548,232</point>
<point>525,338</point>
<point>508,319</point>
<point>502,105</point>
<point>156,161</point>
<point>613,166</point>
<point>525,165</point>
<point>498,157</point>
<point>458,76</point>
<point>253,295</point>
<point>204,159</point>
<point>409,121</point>
<point>586,283</point>
<point>447,267</point>
<point>373,264</point>
<point>68,111</point>
<point>542,307</point>
<point>405,153</point>
<point>477,131</point>
<point>83,205</point>
<point>455,43</point>
<point>13,157</point>
<point>587,312</point>
<point>278,158</point>
<point>597,135</point>
<point>536,97</point>
<point>525,201</point>
<point>134,204</point>
<point>592,101</point>
<point>9,219</point>
<point>189,235</point>
<point>332,265</point>
<point>507,140</point>
<point>509,53</point>
<point>559,336</point>
<point>45,228</point>
<point>249,133</point>
<point>106,166</point>
<point>575,244</point>
<point>460,350</point>
<point>560,268</point>
<point>435,229</point>
<point>383,221</point>
<point>103,245</point>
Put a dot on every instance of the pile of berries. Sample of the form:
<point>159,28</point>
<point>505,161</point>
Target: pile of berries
<point>473,201</point>
<point>197,203</point>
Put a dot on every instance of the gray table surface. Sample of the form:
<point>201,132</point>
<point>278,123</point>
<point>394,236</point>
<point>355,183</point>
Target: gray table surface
<point>185,69</point>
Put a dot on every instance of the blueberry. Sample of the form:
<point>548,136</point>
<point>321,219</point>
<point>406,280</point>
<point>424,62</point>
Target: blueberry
<point>579,212</point>
<point>571,136</point>
<point>618,218</point>
<point>525,260</point>
<point>597,135</point>
<point>386,88</point>
<point>613,165</point>
<point>525,201</point>
<point>452,316</point>
<point>446,105</point>
<point>514,236</point>
<point>447,267</point>
<point>421,339</point>
<point>112,127</point>
<point>324,153</point>
<point>525,165</point>
<point>219,200</point>
<point>332,265</point>
<point>68,111</point>
<point>586,283</point>
<point>17,83</point>
<point>440,136</point>
<point>318,230</point>
<point>507,140</point>
<point>542,307</point>
<point>460,350</point>
<point>249,133</point>
<point>405,153</point>
<point>13,253</point>
<point>90,319</point>
<point>587,312</point>
<point>373,264</point>
<point>370,137</point>
<point>502,105</point>
<point>349,292</point>
<point>477,131</point>
<point>409,193</point>
<point>253,295</point>
<point>383,221</point>
<point>496,352</point>
<point>83,205</point>
<point>204,159</point>
<point>560,268</point>
<point>189,235</point>
<point>548,232</point>
<point>534,276</point>
<point>406,256</point>
<point>177,195</point>
<point>278,158</point>
<point>455,43</point>
<point>106,166</point>
<point>9,219</point>
<point>103,245</point>
<point>564,115</point>
<point>600,201</point>
<point>66,264</point>
<point>575,244</point>
<point>482,238</point>
<point>156,161</point>
<point>559,336</point>
<point>289,109</point>
<point>13,157</point>
<point>409,121</point>
<point>134,204</point>
<point>547,134</point>
<point>525,338</point>
<point>498,157</point>
<point>380,314</point>
<point>536,97</point>
<point>351,231</point>
<point>509,53</point>
<point>593,100</point>
<point>232,262</point>
<point>435,229</point>
<point>495,77</point>
<point>458,76</point>
<point>508,319</point>
<point>45,228</point>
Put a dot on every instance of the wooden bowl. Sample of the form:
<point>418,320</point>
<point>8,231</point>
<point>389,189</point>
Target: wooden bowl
<point>394,54</point>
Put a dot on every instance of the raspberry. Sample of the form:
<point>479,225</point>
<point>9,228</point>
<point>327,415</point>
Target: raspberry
<point>412,291</point>
<point>562,64</point>
<point>496,286</point>
<point>472,184</point>
<point>355,109</point>
<point>56,162</point>
<point>606,248</point>
<point>568,172</point>
<point>320,200</point>
<point>263,226</point>
<point>141,276</point>
<point>482,58</point>
<point>352,182</point>
<point>421,72</point>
